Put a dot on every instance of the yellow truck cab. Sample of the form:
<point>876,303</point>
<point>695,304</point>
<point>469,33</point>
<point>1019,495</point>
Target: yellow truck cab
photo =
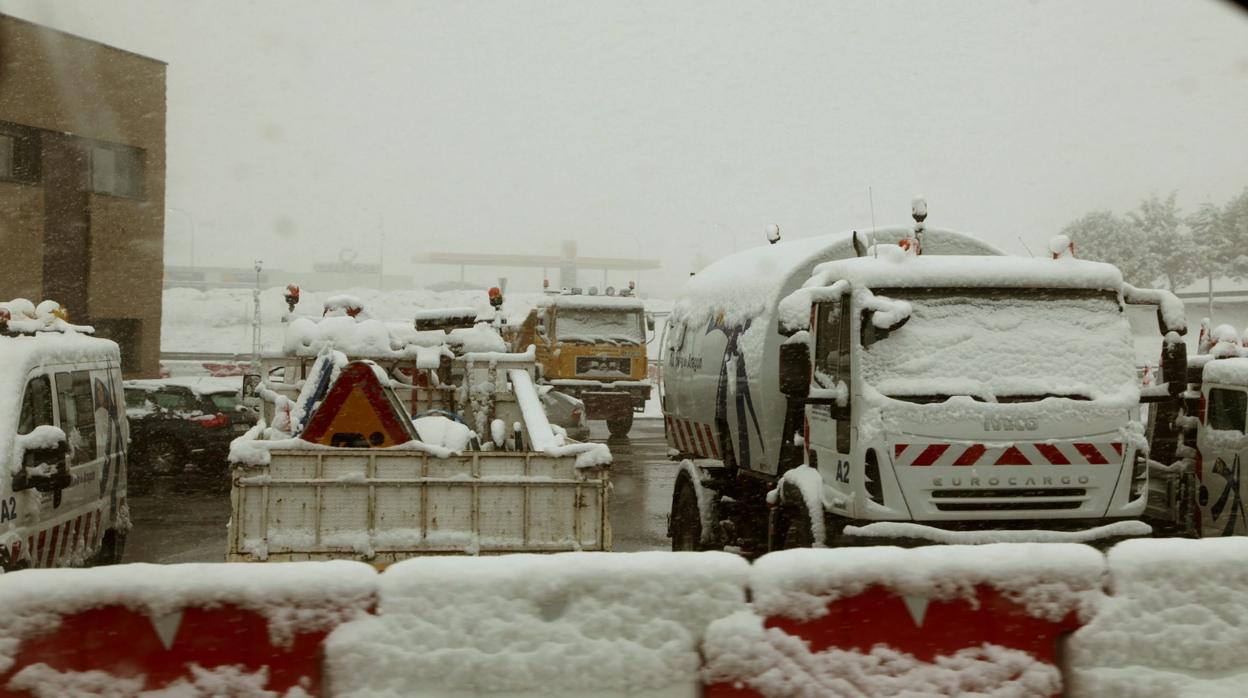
<point>63,438</point>
<point>592,347</point>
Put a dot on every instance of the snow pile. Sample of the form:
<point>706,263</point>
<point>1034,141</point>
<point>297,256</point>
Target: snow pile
<point>48,316</point>
<point>741,652</point>
<point>1175,622</point>
<point>358,338</point>
<point>294,598</point>
<point>437,430</point>
<point>1048,580</point>
<point>573,624</point>
<point>42,681</point>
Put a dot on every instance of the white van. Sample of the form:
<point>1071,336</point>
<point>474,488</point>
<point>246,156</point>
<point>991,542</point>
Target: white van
<point>63,439</point>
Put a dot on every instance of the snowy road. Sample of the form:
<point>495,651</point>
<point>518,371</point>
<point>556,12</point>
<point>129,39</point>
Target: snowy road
<point>181,522</point>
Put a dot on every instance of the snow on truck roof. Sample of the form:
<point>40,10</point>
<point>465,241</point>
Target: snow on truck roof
<point>1232,371</point>
<point>907,271</point>
<point>744,284</point>
<point>584,302</point>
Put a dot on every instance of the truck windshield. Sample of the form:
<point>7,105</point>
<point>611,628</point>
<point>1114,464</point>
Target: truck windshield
<point>1003,345</point>
<point>595,326</point>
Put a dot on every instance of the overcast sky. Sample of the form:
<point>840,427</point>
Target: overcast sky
<point>669,128</point>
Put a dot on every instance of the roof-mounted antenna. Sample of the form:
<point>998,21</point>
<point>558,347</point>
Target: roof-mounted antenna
<point>1025,247</point>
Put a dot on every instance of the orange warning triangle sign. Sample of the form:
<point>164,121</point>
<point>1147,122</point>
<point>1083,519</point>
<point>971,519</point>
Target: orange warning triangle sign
<point>359,412</point>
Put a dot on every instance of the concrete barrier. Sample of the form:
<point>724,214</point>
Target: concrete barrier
<point>887,621</point>
<point>856,622</point>
<point>213,629</point>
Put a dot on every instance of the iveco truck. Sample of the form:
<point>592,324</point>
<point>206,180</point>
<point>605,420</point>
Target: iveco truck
<point>909,384</point>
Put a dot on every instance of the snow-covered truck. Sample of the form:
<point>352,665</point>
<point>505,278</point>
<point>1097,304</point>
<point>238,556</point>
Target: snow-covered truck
<point>592,347</point>
<point>1196,486</point>
<point>830,391</point>
<point>344,471</point>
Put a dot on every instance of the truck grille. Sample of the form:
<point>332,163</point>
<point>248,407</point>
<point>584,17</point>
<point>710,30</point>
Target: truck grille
<point>1040,499</point>
<point>604,365</point>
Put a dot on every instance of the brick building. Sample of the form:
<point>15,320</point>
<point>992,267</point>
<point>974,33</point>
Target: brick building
<point>82,183</point>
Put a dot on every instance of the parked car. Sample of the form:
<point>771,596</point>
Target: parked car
<point>180,422</point>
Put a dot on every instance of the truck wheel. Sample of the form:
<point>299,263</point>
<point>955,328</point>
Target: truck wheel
<point>620,426</point>
<point>112,549</point>
<point>686,519</point>
<point>799,533</point>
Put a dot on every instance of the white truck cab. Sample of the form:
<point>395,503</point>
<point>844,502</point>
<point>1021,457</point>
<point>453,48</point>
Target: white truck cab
<point>63,442</point>
<point>971,390</point>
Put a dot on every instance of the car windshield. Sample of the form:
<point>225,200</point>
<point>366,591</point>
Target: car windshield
<point>224,401</point>
<point>595,326</point>
<point>1003,346</point>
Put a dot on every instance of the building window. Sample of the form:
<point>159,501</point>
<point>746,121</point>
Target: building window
<point>117,170</point>
<point>19,153</point>
<point>7,143</point>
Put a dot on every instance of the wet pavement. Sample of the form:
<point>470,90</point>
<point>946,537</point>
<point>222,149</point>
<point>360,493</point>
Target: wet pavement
<point>183,521</point>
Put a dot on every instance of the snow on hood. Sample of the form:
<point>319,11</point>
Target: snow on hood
<point>200,385</point>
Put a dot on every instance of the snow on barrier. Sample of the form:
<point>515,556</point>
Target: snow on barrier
<point>1175,623</point>
<point>886,621</point>
<point>572,624</point>
<point>203,629</point>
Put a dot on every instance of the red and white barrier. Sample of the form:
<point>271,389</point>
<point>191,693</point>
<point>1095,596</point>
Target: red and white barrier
<point>1174,623</point>
<point>572,624</point>
<point>208,629</point>
<point>887,621</point>
<point>1158,618</point>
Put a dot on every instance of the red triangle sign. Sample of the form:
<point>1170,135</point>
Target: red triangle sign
<point>359,412</point>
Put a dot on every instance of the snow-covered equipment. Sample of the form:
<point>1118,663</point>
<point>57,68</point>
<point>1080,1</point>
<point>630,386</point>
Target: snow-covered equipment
<point>773,233</point>
<point>961,389</point>
<point>63,441</point>
<point>291,296</point>
<point>593,348</point>
<point>387,443</point>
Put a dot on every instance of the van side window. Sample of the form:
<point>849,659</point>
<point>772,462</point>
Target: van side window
<point>73,395</point>
<point>36,405</point>
<point>831,345</point>
<point>1227,409</point>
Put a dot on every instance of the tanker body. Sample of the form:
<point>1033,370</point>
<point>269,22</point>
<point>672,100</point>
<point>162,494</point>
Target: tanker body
<point>821,392</point>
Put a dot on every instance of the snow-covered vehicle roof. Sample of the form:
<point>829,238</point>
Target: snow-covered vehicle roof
<point>907,271</point>
<point>200,385</point>
<point>584,302</point>
<point>1232,371</point>
<point>746,283</point>
<point>373,339</point>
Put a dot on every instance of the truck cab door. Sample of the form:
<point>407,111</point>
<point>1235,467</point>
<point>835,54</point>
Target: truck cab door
<point>829,423</point>
<point>1223,448</point>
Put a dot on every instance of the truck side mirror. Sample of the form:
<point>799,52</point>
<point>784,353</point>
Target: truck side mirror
<point>872,334</point>
<point>650,322</point>
<point>251,382</point>
<point>795,369</point>
<point>1174,366</point>
<point>43,469</point>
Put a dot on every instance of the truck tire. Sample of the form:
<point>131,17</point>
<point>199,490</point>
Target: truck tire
<point>620,426</point>
<point>686,518</point>
<point>798,530</point>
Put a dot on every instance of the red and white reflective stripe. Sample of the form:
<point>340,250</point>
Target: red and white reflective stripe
<point>691,437</point>
<point>964,454</point>
<point>49,546</point>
